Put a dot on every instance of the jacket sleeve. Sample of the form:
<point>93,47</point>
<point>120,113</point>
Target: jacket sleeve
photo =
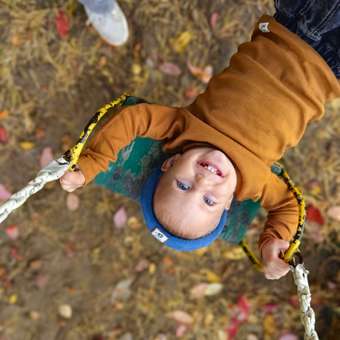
<point>148,120</point>
<point>283,211</point>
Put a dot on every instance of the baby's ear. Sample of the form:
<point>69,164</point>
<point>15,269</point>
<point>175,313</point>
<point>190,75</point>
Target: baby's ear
<point>168,163</point>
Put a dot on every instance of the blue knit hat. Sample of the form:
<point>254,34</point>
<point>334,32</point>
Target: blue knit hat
<point>160,233</point>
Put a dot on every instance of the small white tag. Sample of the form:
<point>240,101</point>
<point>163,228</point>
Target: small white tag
<point>156,233</point>
<point>263,26</point>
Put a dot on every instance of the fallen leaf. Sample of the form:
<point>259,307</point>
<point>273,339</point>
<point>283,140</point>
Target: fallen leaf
<point>72,201</point>
<point>313,214</point>
<point>26,145</point>
<point>40,133</point>
<point>234,253</point>
<point>198,291</point>
<point>203,74</point>
<point>65,311</point>
<point>240,314</point>
<point>269,326</point>
<point>181,317</point>
<point>136,69</point>
<point>3,114</point>
<point>152,268</point>
<point>13,299</point>
<point>3,135</point>
<point>180,43</point>
<point>211,276</point>
<point>213,289</point>
<point>41,280</point>
<point>46,156</point>
<point>120,218</point>
<point>34,315</point>
<point>4,193</point>
<point>62,24</point>
<point>122,290</point>
<point>12,232</point>
<point>134,223</point>
<point>213,20</point>
<point>35,265</point>
<point>142,265</point>
<point>181,330</point>
<point>334,212</point>
<point>170,69</point>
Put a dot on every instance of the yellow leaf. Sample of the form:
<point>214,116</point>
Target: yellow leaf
<point>26,145</point>
<point>269,325</point>
<point>13,299</point>
<point>136,69</point>
<point>211,276</point>
<point>152,268</point>
<point>201,251</point>
<point>180,43</point>
<point>234,253</point>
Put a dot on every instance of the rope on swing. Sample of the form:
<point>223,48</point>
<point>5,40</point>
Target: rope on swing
<point>299,272</point>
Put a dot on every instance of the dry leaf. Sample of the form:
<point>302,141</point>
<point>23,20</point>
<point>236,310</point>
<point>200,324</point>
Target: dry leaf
<point>46,156</point>
<point>313,214</point>
<point>269,325</point>
<point>4,193</point>
<point>72,202</point>
<point>62,24</point>
<point>213,20</point>
<point>181,317</point>
<point>12,232</point>
<point>180,43</point>
<point>120,218</point>
<point>334,212</point>
<point>181,330</point>
<point>198,291</point>
<point>203,74</point>
<point>3,114</point>
<point>3,135</point>
<point>122,290</point>
<point>170,69</point>
<point>26,145</point>
<point>213,289</point>
<point>65,311</point>
<point>234,253</point>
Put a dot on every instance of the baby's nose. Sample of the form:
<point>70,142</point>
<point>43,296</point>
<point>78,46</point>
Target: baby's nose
<point>200,178</point>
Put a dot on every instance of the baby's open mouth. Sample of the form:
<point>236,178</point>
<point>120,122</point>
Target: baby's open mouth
<point>211,168</point>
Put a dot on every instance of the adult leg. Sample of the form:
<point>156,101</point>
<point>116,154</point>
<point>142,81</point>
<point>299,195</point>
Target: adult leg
<point>317,22</point>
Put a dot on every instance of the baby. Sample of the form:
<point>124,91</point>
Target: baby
<point>224,143</point>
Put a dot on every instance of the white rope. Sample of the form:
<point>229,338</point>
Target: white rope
<point>53,171</point>
<point>300,274</point>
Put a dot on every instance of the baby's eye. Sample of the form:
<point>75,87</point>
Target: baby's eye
<point>183,186</point>
<point>209,201</point>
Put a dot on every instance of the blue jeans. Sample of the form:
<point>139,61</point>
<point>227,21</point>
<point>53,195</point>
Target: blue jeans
<point>317,22</point>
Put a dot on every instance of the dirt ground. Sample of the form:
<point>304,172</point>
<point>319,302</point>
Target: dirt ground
<point>66,270</point>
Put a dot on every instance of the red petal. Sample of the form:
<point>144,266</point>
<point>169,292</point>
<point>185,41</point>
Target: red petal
<point>62,24</point>
<point>313,214</point>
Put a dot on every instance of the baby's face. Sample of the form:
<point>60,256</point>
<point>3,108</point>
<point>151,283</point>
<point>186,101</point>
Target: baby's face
<point>194,190</point>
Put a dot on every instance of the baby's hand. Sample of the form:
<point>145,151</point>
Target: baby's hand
<point>72,180</point>
<point>274,267</point>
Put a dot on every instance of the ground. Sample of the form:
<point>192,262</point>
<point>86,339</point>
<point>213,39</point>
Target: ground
<point>67,271</point>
